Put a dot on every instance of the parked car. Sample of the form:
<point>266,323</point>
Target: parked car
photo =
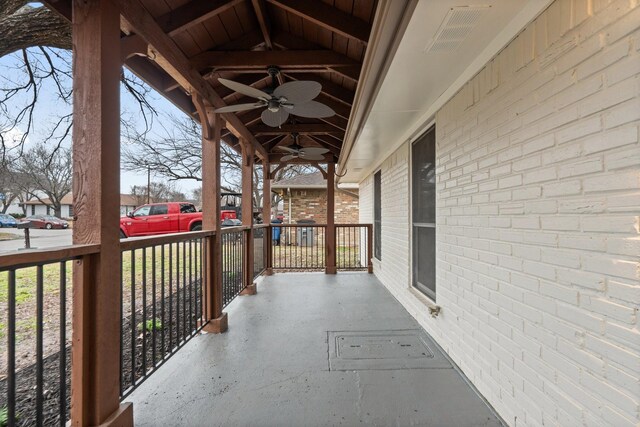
<point>7,221</point>
<point>46,221</point>
<point>163,218</point>
<point>231,222</point>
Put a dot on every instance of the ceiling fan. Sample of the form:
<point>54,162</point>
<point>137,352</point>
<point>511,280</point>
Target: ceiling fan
<point>296,151</point>
<point>289,98</point>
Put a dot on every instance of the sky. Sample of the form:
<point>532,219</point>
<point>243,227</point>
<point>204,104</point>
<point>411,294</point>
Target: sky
<point>50,106</point>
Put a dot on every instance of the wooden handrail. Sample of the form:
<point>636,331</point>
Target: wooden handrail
<point>34,257</point>
<point>233,229</point>
<point>144,242</point>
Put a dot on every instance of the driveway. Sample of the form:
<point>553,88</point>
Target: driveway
<point>39,239</point>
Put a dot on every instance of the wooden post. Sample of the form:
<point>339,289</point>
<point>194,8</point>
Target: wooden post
<point>266,215</point>
<point>95,377</point>
<point>211,127</point>
<point>330,237</point>
<point>247,215</point>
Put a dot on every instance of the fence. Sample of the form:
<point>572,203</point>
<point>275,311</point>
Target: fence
<point>260,246</point>
<point>162,299</point>
<point>353,251</point>
<point>298,247</point>
<point>233,266</point>
<point>35,306</point>
<point>163,303</point>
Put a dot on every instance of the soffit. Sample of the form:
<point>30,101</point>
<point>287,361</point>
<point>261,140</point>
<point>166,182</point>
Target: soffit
<point>419,80</point>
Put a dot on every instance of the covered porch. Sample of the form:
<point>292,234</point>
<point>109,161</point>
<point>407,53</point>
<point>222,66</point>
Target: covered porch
<point>279,364</point>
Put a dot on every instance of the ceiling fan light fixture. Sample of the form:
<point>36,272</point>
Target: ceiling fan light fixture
<point>273,105</point>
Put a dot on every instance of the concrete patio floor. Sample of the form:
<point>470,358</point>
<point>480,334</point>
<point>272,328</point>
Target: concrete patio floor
<point>273,367</point>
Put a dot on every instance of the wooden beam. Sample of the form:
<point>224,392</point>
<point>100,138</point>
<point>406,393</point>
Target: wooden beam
<point>338,122</point>
<point>133,45</point>
<point>327,17</point>
<point>331,147</point>
<point>264,22</point>
<point>247,215</point>
<point>95,348</point>
<point>326,143</point>
<point>302,129</point>
<point>329,88</point>
<point>193,13</point>
<point>169,56</point>
<point>340,109</point>
<point>261,59</point>
<point>216,320</point>
<point>330,237</point>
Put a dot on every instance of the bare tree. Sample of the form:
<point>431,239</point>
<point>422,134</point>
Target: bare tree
<point>157,192</point>
<point>177,155</point>
<point>48,172</point>
<point>40,40</point>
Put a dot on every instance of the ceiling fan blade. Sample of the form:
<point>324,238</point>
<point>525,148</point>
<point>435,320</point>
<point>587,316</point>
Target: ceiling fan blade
<point>244,89</point>
<point>311,156</point>
<point>298,91</point>
<point>312,109</point>
<point>314,150</point>
<point>288,157</point>
<point>274,119</point>
<point>290,150</point>
<point>238,107</point>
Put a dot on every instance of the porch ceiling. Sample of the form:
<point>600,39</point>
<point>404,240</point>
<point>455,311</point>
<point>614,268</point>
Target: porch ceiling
<point>420,80</point>
<point>182,47</point>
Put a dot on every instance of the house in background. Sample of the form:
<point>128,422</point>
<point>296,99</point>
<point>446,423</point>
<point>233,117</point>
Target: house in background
<point>305,197</point>
<point>36,207</point>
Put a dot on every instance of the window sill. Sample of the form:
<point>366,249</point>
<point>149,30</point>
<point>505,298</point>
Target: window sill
<point>434,309</point>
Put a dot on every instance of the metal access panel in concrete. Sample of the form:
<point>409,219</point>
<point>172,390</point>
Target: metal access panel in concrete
<point>381,350</point>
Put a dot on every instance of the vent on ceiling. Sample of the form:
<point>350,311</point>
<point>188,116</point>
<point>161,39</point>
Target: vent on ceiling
<point>455,27</point>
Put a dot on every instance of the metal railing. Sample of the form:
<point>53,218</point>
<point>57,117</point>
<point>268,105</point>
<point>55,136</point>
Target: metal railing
<point>260,247</point>
<point>35,310</point>
<point>233,254</point>
<point>162,301</point>
<point>298,247</point>
<point>352,246</point>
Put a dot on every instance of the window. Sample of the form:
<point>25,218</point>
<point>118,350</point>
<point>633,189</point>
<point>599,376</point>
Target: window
<point>423,196</point>
<point>143,211</point>
<point>377,215</point>
<point>33,209</point>
<point>187,208</point>
<point>71,211</point>
<point>159,210</point>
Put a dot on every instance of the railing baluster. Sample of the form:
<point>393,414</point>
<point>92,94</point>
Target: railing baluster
<point>62,367</point>
<point>11,350</point>
<point>153,307</point>
<point>132,318</point>
<point>162,311</point>
<point>144,311</point>
<point>39,344</point>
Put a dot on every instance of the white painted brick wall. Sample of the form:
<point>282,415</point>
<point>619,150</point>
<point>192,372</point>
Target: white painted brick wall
<point>538,244</point>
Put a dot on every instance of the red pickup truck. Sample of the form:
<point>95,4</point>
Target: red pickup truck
<point>164,218</point>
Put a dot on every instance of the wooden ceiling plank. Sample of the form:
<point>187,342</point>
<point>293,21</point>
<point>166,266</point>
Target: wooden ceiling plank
<point>167,54</point>
<point>193,13</point>
<point>263,21</point>
<point>263,59</point>
<point>327,17</point>
<point>301,128</point>
<point>248,41</point>
<point>288,41</point>
<point>329,88</point>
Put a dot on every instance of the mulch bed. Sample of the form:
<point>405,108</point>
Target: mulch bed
<point>174,333</point>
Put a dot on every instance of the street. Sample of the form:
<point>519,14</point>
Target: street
<point>39,239</point>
